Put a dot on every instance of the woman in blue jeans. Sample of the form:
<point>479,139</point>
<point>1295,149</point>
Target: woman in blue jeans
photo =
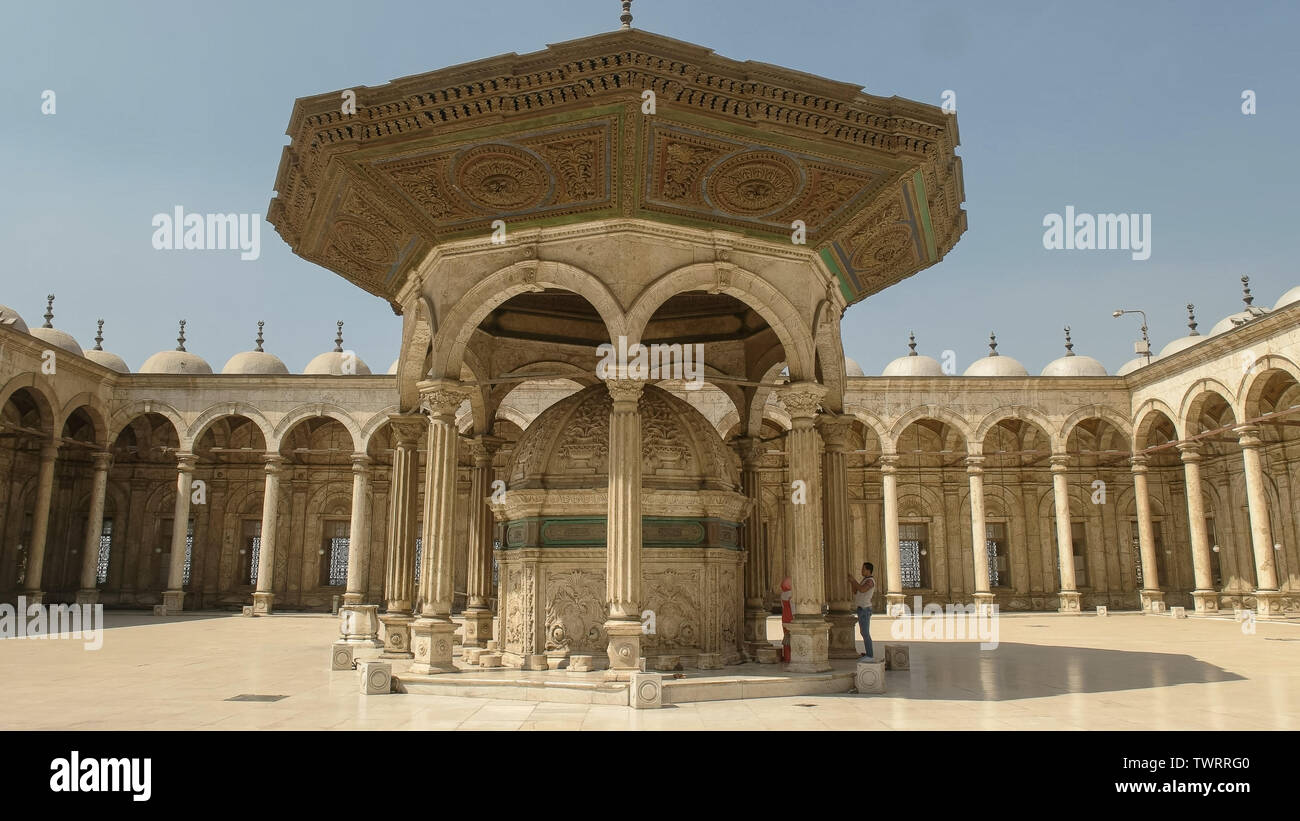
<point>863,591</point>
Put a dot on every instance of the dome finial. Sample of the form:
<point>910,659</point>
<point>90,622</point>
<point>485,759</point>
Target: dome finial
<point>911,344</point>
<point>180,339</point>
<point>626,17</point>
<point>993,344</point>
<point>1191,320</point>
<point>260,324</point>
<point>1245,291</point>
<point>99,337</point>
<point>49,311</point>
<point>1069,345</point>
<point>338,339</point>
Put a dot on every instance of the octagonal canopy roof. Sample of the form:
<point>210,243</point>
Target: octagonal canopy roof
<point>563,136</point>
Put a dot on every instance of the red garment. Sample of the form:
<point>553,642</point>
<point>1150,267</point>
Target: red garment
<point>787,616</point>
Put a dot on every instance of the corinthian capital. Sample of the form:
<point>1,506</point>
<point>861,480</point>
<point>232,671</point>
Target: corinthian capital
<point>801,399</point>
<point>625,390</point>
<point>443,396</point>
<point>834,430</point>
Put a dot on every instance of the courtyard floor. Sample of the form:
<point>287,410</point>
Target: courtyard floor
<point>1048,672</point>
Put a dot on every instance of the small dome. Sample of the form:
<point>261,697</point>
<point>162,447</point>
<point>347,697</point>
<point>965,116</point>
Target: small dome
<point>1241,317</point>
<point>1133,364</point>
<point>392,369</point>
<point>1184,342</point>
<point>256,362</point>
<point>179,361</point>
<point>913,364</point>
<point>995,364</point>
<point>1289,298</point>
<point>852,368</point>
<point>1072,364</point>
<point>332,363</point>
<point>100,356</point>
<point>10,319</point>
<point>51,335</point>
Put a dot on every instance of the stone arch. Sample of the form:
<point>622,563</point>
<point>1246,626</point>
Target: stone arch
<point>128,414</point>
<point>315,410</point>
<point>1257,378</point>
<point>749,288</point>
<point>1146,418</point>
<point>1111,417</point>
<point>939,413</point>
<point>768,371</point>
<point>372,425</point>
<point>1196,396</point>
<point>829,352</point>
<point>1023,413</point>
<point>418,327</point>
<point>215,413</point>
<point>89,403</point>
<point>459,323</point>
<point>874,424</point>
<point>46,404</point>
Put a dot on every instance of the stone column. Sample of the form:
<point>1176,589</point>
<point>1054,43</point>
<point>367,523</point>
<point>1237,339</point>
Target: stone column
<point>1064,534</point>
<point>478,606</point>
<point>1204,597</point>
<point>809,632</point>
<point>399,582</point>
<point>893,555</point>
<point>359,622</point>
<point>623,528</point>
<point>752,450</point>
<point>432,632</point>
<point>174,595</point>
<point>1268,602</point>
<point>837,532</point>
<point>1153,601</point>
<point>34,592</point>
<point>979,531</point>
<point>89,592</point>
<point>263,597</point>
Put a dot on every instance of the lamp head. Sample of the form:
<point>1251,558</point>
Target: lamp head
<point>1117,314</point>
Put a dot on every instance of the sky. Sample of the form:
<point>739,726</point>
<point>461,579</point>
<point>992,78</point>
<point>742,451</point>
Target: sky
<point>1109,107</point>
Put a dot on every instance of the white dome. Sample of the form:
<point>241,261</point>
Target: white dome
<point>1290,297</point>
<point>1075,365</point>
<point>1231,321</point>
<point>331,363</point>
<point>10,319</point>
<point>852,368</point>
<point>109,360</point>
<point>177,362</point>
<point>996,366</point>
<point>392,369</point>
<point>913,365</point>
<point>1182,343</point>
<point>1133,364</point>
<point>255,363</point>
<point>57,338</point>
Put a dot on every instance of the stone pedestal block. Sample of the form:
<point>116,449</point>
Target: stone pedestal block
<point>471,655</point>
<point>263,604</point>
<point>647,691</point>
<point>87,597</point>
<point>396,635</point>
<point>984,603</point>
<point>624,646</point>
<point>898,657</point>
<point>1178,612</point>
<point>768,654</point>
<point>667,663</point>
<point>160,609</point>
<point>246,610</point>
<point>174,601</point>
<point>488,660</point>
<point>709,661</point>
<point>1153,601</point>
<point>341,655</point>
<point>809,639</point>
<point>536,661</point>
<point>359,624</point>
<point>431,644</point>
<point>581,664</point>
<point>1103,610</point>
<point>1268,604</point>
<point>493,645</point>
<point>376,677</point>
<point>1069,602</point>
<point>1205,601</point>
<point>870,677</point>
<point>478,628</point>
<point>843,635</point>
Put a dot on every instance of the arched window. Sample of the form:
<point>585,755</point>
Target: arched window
<point>105,548</point>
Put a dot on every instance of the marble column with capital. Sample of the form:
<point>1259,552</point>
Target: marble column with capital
<point>623,528</point>
<point>809,632</point>
<point>979,531</point>
<point>358,621</point>
<point>33,590</point>
<point>1152,599</point>
<point>837,533</point>
<point>751,451</point>
<point>894,597</point>
<point>403,494</point>
<point>89,592</point>
<point>1064,534</point>
<point>432,632</point>
<point>1268,600</point>
<point>1204,597</point>
<point>174,595</point>
<point>477,617</point>
<point>263,595</point>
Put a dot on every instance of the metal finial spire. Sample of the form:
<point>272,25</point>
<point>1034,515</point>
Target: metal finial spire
<point>99,337</point>
<point>1191,319</point>
<point>338,339</point>
<point>993,344</point>
<point>260,323</point>
<point>1245,291</point>
<point>626,17</point>
<point>180,339</point>
<point>911,343</point>
<point>49,311</point>
<point>1069,344</point>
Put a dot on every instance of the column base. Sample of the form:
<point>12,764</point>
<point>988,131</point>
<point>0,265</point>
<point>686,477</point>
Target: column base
<point>1205,601</point>
<point>478,628</point>
<point>173,601</point>
<point>895,604</point>
<point>1153,601</point>
<point>87,597</point>
<point>624,647</point>
<point>1268,604</point>
<point>1069,602</point>
<point>984,603</point>
<point>809,645</point>
<point>359,625</point>
<point>263,604</point>
<point>431,643</point>
<point>842,644</point>
<point>396,635</point>
<point>353,598</point>
<point>36,597</point>
<point>755,627</point>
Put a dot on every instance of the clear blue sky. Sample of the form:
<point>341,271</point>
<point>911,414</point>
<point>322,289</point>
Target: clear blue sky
<point>1107,106</point>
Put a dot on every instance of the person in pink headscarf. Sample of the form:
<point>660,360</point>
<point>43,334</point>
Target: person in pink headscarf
<point>787,616</point>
